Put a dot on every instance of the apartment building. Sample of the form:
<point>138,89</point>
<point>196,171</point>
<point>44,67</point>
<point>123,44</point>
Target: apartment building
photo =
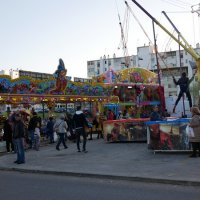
<point>34,75</point>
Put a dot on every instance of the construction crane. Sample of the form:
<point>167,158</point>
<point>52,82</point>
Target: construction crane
<point>187,47</point>
<point>124,39</point>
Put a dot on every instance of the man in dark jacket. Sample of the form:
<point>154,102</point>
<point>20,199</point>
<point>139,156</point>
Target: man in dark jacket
<point>184,83</point>
<point>50,130</point>
<point>18,137</point>
<point>31,127</point>
<point>79,124</point>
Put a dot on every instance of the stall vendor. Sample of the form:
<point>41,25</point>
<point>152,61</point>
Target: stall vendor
<point>155,114</point>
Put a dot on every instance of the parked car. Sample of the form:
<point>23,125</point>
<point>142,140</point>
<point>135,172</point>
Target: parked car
<point>60,110</point>
<point>40,110</point>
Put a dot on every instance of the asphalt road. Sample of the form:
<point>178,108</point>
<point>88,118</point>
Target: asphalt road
<point>15,185</point>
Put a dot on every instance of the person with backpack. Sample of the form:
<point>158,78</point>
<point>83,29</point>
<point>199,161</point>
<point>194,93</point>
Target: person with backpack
<point>61,129</point>
<point>79,124</point>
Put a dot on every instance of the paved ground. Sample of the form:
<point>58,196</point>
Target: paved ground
<point>131,161</point>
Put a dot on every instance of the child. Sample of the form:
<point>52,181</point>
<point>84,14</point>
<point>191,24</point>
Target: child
<point>37,137</point>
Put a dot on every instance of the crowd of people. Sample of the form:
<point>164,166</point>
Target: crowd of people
<point>23,131</point>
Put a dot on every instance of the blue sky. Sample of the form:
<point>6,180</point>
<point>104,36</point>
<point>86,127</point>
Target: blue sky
<point>36,33</point>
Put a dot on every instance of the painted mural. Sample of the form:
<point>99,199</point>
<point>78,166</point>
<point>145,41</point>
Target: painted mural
<point>168,135</point>
<point>130,75</point>
<point>125,130</point>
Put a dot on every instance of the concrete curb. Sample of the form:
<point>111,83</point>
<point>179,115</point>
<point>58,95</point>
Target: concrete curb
<point>103,176</point>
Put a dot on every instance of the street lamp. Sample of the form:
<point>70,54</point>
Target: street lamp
<point>43,103</point>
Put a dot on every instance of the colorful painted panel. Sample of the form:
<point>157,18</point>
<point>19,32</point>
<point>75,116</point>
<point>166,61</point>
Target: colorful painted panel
<point>168,135</point>
<point>125,130</point>
<point>130,75</point>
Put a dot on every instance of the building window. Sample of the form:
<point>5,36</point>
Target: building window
<point>171,53</point>
<point>105,62</point>
<point>90,62</point>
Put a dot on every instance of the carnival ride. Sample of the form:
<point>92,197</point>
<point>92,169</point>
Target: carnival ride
<point>170,135</point>
<point>18,91</point>
<point>58,89</point>
<point>134,86</point>
<point>187,47</point>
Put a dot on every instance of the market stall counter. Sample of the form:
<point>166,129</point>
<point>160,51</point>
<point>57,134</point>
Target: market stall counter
<point>168,135</point>
<point>125,130</point>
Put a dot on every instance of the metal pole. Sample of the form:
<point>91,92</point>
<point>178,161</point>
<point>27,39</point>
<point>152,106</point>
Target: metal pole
<point>179,49</point>
<point>43,110</point>
<point>156,53</point>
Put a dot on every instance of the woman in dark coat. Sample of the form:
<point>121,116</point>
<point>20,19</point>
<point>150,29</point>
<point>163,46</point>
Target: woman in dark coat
<point>8,136</point>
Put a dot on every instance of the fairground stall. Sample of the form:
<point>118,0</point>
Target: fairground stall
<point>24,92</point>
<point>138,91</point>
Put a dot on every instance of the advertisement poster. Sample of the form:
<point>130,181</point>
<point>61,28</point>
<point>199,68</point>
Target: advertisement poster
<point>166,135</point>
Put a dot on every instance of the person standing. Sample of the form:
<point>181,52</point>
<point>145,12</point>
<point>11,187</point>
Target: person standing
<point>61,129</point>
<point>110,115</point>
<point>125,114</point>
<point>102,119</point>
<point>184,83</point>
<point>50,130</point>
<point>155,128</point>
<point>7,128</point>
<point>195,124</point>
<point>18,137</point>
<point>37,137</point>
<point>155,114</point>
<point>79,123</point>
<point>70,124</point>
<point>166,113</point>
<point>31,127</point>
